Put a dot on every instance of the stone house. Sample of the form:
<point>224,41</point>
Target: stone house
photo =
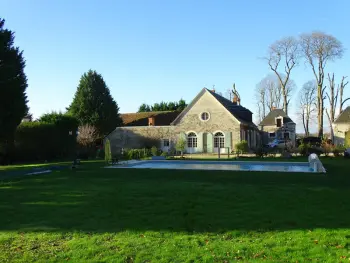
<point>341,126</point>
<point>277,125</point>
<point>210,123</point>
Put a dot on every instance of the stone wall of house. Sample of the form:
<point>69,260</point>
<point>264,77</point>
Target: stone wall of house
<point>220,120</point>
<point>288,127</point>
<point>339,131</point>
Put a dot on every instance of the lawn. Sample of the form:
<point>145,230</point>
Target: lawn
<point>113,215</point>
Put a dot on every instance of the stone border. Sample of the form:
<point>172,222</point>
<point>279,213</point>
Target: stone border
<point>316,164</point>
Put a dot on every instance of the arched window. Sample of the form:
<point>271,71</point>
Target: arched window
<point>191,140</point>
<point>219,140</point>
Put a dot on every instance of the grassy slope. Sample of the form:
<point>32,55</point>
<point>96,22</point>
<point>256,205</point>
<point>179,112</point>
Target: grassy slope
<point>107,215</point>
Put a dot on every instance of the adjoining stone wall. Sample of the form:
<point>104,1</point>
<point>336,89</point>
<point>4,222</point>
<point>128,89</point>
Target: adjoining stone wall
<point>339,131</point>
<point>139,137</point>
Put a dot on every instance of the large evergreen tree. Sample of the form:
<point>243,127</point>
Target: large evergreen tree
<point>13,85</point>
<point>94,105</point>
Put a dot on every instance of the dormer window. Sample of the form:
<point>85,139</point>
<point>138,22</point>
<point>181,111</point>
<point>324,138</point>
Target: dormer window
<point>279,122</point>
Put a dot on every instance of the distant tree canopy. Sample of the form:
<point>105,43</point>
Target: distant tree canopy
<point>93,104</point>
<point>164,106</point>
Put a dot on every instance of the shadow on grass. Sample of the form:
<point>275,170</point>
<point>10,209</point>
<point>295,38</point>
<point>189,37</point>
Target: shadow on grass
<point>113,200</point>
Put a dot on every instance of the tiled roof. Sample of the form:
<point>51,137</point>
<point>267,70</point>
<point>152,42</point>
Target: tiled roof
<point>162,118</point>
<point>344,117</point>
<point>270,118</point>
<point>238,111</point>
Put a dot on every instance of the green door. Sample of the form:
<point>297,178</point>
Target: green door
<point>209,142</point>
<point>228,141</point>
<point>205,144</point>
<point>199,142</point>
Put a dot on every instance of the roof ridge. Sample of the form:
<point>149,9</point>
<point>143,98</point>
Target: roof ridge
<point>217,94</point>
<point>340,118</point>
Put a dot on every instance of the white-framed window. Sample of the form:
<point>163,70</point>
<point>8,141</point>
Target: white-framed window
<point>192,140</point>
<point>272,135</point>
<point>279,122</point>
<point>166,142</point>
<point>204,116</point>
<point>219,140</point>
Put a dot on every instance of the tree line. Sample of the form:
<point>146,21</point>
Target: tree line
<point>93,110</point>
<point>316,49</point>
<point>164,106</point>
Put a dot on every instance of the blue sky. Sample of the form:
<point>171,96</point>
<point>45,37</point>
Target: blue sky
<point>154,50</point>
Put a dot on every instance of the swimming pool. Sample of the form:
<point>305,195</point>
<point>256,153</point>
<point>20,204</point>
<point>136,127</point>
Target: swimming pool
<point>219,165</point>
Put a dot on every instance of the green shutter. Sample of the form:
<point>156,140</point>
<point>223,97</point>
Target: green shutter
<point>228,140</point>
<point>210,142</point>
<point>200,142</point>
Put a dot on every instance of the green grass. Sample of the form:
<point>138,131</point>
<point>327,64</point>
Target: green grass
<point>115,215</point>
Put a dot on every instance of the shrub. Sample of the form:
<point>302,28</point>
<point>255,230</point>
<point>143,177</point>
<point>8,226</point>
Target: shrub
<point>181,145</point>
<point>327,146</point>
<point>130,154</point>
<point>304,149</point>
<point>271,152</point>
<point>154,151</point>
<point>164,154</point>
<point>338,150</point>
<point>241,147</point>
<point>108,153</point>
<point>260,152</point>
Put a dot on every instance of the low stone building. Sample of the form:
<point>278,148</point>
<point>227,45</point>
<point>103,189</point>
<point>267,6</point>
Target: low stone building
<point>277,125</point>
<point>210,123</point>
<point>341,126</point>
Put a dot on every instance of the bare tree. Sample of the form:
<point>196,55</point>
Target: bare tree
<point>285,54</point>
<point>268,95</point>
<point>341,92</point>
<point>318,48</point>
<point>87,135</point>
<point>307,104</point>
<point>333,99</point>
<point>260,96</point>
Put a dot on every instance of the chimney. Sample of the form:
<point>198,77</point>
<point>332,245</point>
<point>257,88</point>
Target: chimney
<point>151,121</point>
<point>235,100</point>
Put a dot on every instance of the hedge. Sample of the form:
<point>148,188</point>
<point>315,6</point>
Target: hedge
<point>39,141</point>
